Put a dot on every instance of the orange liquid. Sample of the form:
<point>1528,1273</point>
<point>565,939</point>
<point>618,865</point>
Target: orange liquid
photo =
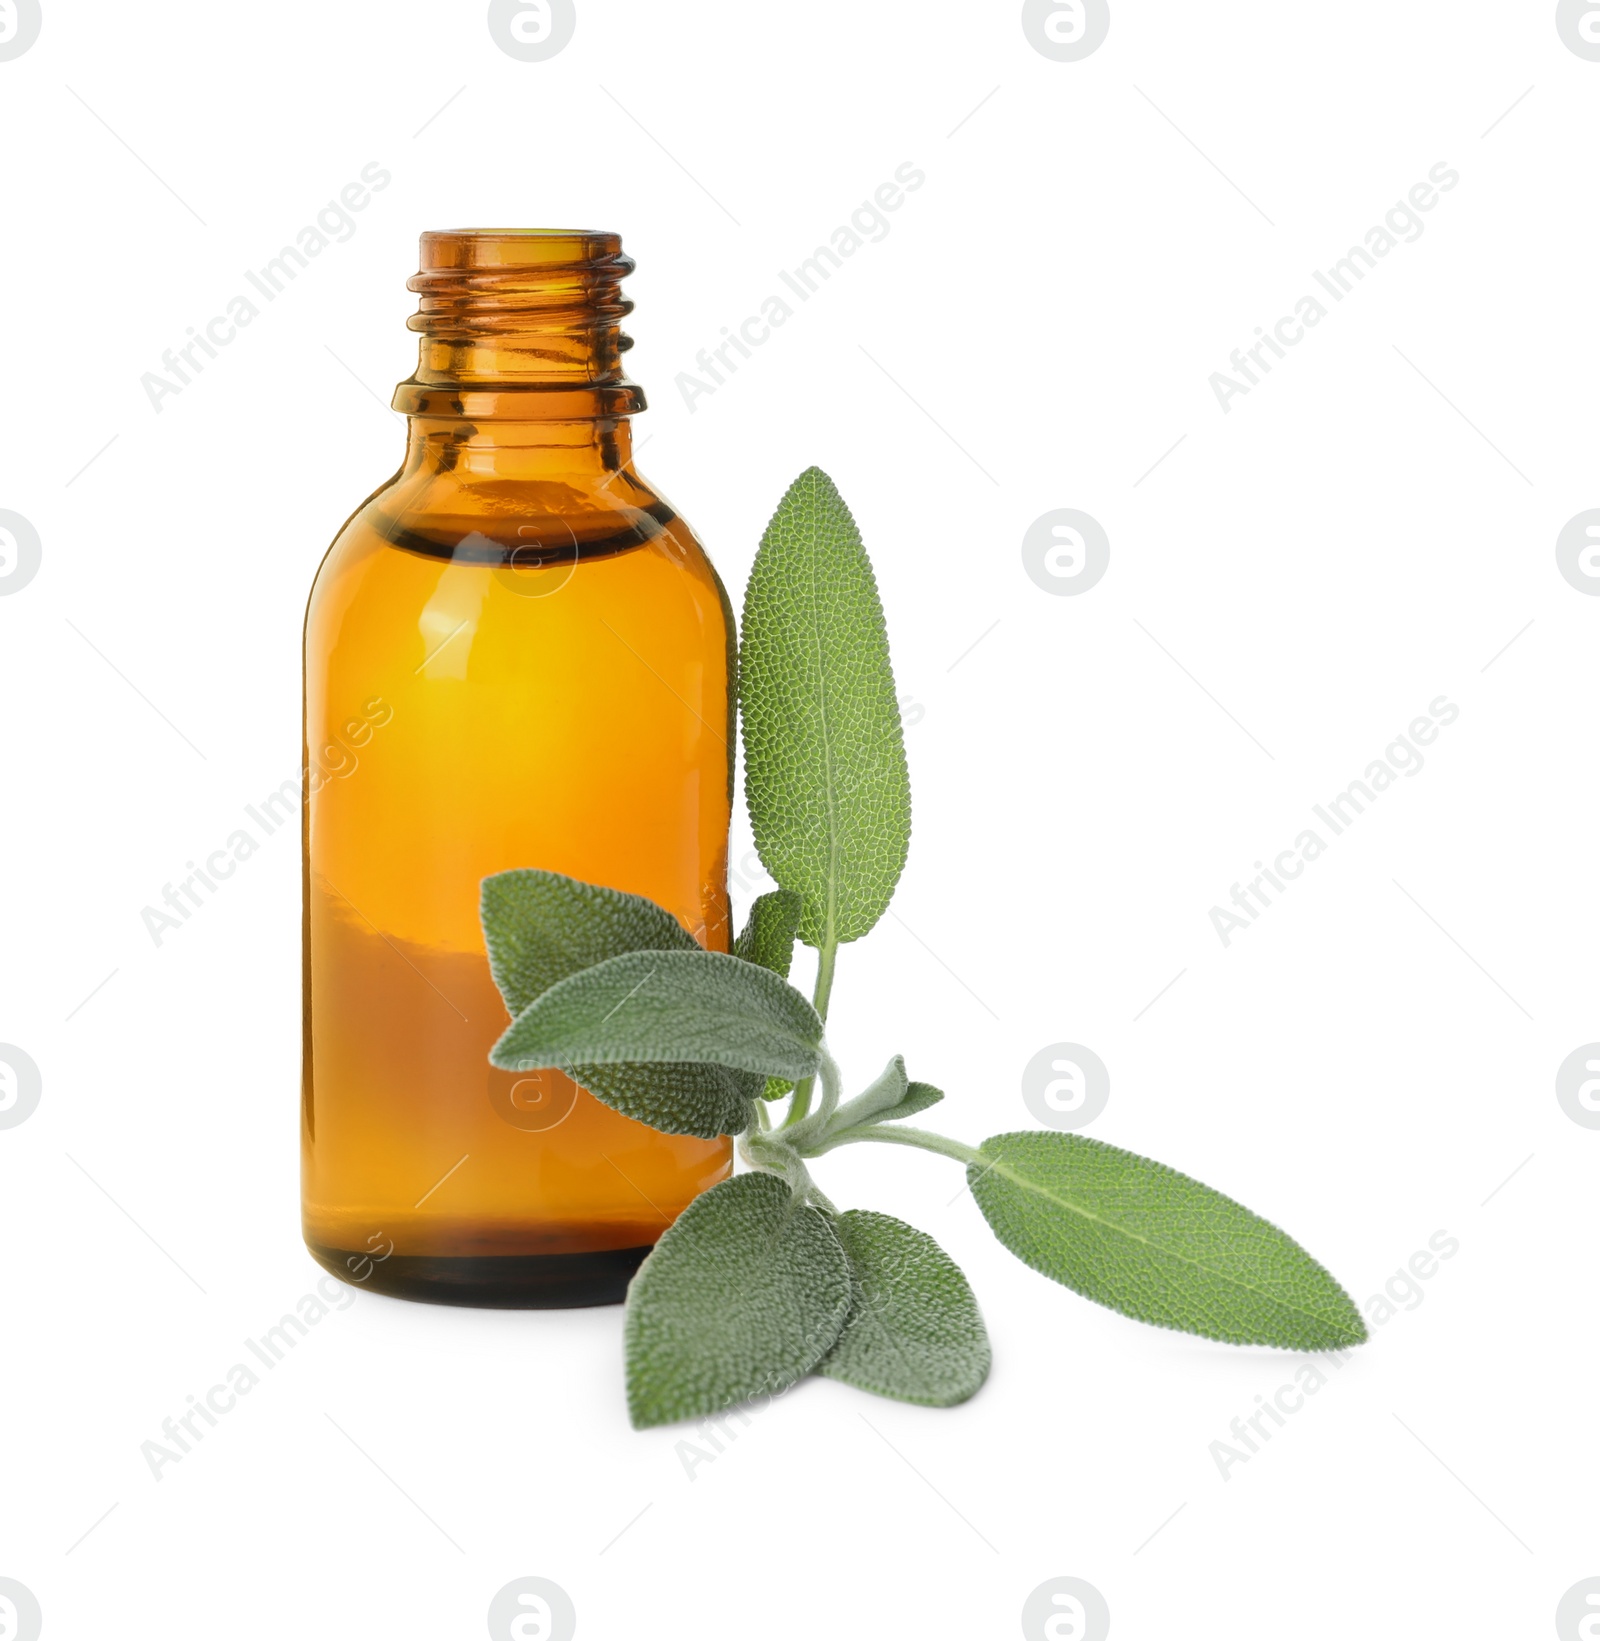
<point>516,655</point>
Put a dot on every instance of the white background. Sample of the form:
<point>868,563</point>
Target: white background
<point>1365,531</point>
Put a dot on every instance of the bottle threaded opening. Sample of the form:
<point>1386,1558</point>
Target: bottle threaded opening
<point>534,311</point>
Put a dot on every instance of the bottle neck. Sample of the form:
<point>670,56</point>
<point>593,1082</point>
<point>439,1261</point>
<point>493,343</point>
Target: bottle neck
<point>520,327</point>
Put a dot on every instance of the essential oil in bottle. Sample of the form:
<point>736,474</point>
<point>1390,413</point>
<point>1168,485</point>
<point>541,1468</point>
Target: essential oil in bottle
<point>516,654</point>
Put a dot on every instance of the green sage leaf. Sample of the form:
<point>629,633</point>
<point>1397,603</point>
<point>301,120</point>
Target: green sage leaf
<point>655,1007</point>
<point>1154,1244</point>
<point>768,936</point>
<point>889,1099</point>
<point>768,939</point>
<point>673,1096</point>
<point>886,1090</point>
<point>914,1331</point>
<point>918,1097</point>
<point>542,927</point>
<point>741,1297</point>
<point>825,763</point>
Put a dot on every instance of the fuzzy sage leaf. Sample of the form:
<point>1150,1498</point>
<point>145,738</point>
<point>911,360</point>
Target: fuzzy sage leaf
<point>914,1331</point>
<point>825,764</point>
<point>768,935</point>
<point>768,939</point>
<point>542,927</point>
<point>657,1007</point>
<point>918,1097</point>
<point>891,1098</point>
<point>1154,1244</point>
<point>741,1297</point>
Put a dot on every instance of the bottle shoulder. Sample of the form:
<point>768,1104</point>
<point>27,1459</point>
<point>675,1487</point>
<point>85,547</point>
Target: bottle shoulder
<point>589,516</point>
<point>526,535</point>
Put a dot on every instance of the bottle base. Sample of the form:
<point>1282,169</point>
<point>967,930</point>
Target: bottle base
<point>492,1281</point>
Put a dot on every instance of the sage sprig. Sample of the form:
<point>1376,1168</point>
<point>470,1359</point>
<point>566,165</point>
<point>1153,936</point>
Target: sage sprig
<point>761,1280</point>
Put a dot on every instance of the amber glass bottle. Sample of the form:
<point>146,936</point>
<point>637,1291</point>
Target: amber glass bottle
<point>516,654</point>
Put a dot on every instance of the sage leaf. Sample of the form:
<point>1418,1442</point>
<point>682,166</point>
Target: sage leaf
<point>768,939</point>
<point>918,1097</point>
<point>541,927</point>
<point>655,1007</point>
<point>914,1331</point>
<point>768,935</point>
<point>889,1099</point>
<point>673,1097</point>
<point>825,763</point>
<point>741,1297</point>
<point>887,1089</point>
<point>1154,1244</point>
